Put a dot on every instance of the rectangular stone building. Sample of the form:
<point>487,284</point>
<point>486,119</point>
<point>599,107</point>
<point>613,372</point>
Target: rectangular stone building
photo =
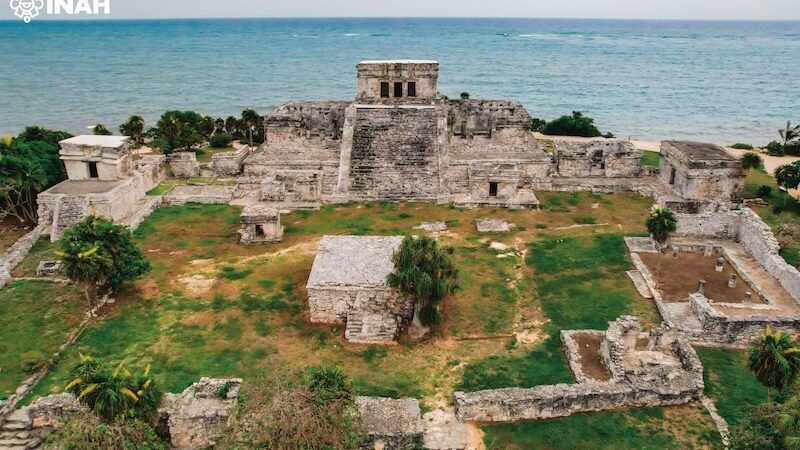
<point>702,172</point>
<point>348,286</point>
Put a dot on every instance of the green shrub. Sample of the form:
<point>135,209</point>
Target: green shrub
<point>223,390</point>
<point>584,220</point>
<point>575,125</point>
<point>232,274</point>
<point>537,124</point>
<point>101,130</point>
<point>764,191</point>
<point>32,360</point>
<point>740,146</point>
<point>87,432</point>
<point>465,96</point>
<point>775,148</point>
<point>430,316</point>
<point>221,140</point>
<point>262,327</point>
<point>793,149</point>
<point>372,353</point>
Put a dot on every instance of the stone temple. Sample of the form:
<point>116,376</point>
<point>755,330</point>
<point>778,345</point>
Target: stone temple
<point>401,140</point>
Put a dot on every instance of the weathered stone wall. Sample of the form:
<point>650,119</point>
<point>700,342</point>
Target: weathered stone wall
<point>331,305</point>
<point>152,169</point>
<point>184,164</point>
<point>229,164</point>
<point>606,158</point>
<point>207,194</point>
<point>390,424</point>
<point>17,252</point>
<point>702,177</point>
<point>561,400</point>
<point>736,330</point>
<point>372,73</point>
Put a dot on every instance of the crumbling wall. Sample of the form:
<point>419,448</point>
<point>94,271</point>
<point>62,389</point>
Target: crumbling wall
<point>736,330</point>
<point>229,164</point>
<point>152,170</point>
<point>17,252</point>
<point>390,424</point>
<point>184,164</point>
<point>331,305</point>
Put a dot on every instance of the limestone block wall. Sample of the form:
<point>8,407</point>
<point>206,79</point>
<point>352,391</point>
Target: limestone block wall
<point>395,154</point>
<point>561,400</point>
<point>331,305</point>
<point>736,330</point>
<point>184,164</point>
<point>229,164</point>
<point>17,252</point>
<point>152,169</point>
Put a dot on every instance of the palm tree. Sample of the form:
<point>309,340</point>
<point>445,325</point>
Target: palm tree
<point>788,177</point>
<point>425,272</point>
<point>790,133</point>
<point>774,360</point>
<point>134,128</point>
<point>751,160</point>
<point>661,224</point>
<point>251,120</point>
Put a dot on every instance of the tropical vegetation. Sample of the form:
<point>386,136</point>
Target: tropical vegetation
<point>101,130</point>
<point>751,160</point>
<point>29,164</point>
<point>98,253</point>
<point>775,360</point>
<point>425,272</point>
<point>661,224</point>
<point>134,128</point>
<point>575,125</point>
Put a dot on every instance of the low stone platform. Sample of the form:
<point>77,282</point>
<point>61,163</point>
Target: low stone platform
<point>390,424</point>
<point>432,227</point>
<point>493,226</point>
<point>210,195</point>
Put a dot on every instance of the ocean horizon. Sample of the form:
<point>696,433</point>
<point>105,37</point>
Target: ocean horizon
<point>717,81</point>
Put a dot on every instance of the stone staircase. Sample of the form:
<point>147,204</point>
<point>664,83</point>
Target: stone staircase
<point>68,211</point>
<point>143,209</point>
<point>370,328</point>
<point>15,434</point>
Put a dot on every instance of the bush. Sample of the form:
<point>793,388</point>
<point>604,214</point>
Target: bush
<point>31,361</point>
<point>465,96</point>
<point>537,124</point>
<point>430,316</point>
<point>793,149</point>
<point>101,130</point>
<point>87,432</point>
<point>775,148</point>
<point>764,191</point>
<point>221,140</point>
<point>575,125</point>
<point>740,146</point>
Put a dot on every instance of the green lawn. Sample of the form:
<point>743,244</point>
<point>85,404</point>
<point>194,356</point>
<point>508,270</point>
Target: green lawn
<point>161,189</point>
<point>580,283</point>
<point>684,427</point>
<point>37,317</point>
<point>651,159</point>
<point>782,214</point>
<point>42,250</point>
<point>206,154</point>
<point>729,382</point>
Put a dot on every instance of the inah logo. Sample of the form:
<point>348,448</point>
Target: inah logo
<point>27,9</point>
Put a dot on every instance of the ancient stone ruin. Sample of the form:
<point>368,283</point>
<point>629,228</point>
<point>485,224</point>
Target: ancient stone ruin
<point>348,285</point>
<point>390,423</point>
<point>102,181</point>
<point>619,368</point>
<point>260,224</point>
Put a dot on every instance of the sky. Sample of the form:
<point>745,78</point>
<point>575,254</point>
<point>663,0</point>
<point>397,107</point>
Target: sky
<point>623,9</point>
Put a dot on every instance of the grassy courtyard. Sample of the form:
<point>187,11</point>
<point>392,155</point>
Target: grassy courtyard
<point>212,307</point>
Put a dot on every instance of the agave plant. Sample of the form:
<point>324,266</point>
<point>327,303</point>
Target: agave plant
<point>115,393</point>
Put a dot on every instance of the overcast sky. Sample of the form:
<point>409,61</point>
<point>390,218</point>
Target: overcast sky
<point>645,9</point>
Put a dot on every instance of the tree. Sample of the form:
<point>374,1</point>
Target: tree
<point>29,164</point>
<point>774,360</point>
<point>98,253</point>
<point>661,224</point>
<point>751,160</point>
<point>575,125</point>
<point>232,126</point>
<point>788,177</point>
<point>134,128</point>
<point>312,409</point>
<point>251,120</point>
<point>177,130</point>
<point>790,133</point>
<point>425,272</point>
<point>465,96</point>
<point>115,393</point>
<point>101,130</point>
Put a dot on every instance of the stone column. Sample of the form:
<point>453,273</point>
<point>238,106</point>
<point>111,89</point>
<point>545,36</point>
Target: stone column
<point>720,264</point>
<point>732,282</point>
<point>701,287</point>
<point>748,298</point>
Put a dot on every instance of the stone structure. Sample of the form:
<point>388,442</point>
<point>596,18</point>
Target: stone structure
<point>665,372</point>
<point>744,241</point>
<point>103,181</point>
<point>17,252</point>
<point>400,140</point>
<point>701,173</point>
<point>203,194</point>
<point>48,268</point>
<point>260,223</point>
<point>390,424</point>
<point>348,285</point>
<point>195,418</point>
<point>191,420</point>
<point>184,164</point>
<point>229,164</point>
<point>493,226</point>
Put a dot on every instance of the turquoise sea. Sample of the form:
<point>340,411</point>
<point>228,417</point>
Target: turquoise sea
<point>714,81</point>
